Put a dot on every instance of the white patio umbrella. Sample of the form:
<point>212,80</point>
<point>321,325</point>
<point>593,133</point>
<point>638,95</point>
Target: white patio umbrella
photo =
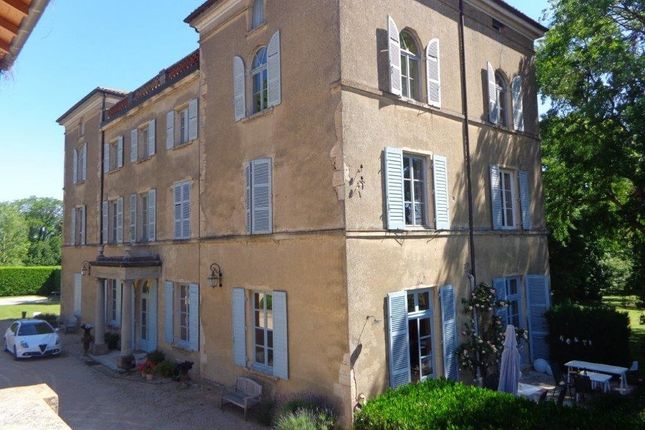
<point>509,369</point>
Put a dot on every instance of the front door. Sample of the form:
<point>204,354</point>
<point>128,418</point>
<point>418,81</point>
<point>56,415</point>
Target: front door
<point>147,320</point>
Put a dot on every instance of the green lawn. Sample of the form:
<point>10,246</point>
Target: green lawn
<point>637,339</point>
<point>15,311</point>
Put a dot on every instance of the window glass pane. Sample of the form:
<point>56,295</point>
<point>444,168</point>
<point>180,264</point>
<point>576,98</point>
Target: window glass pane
<point>269,320</point>
<point>409,218</point>
<point>418,191</point>
<point>259,354</point>
<point>407,167</point>
<point>424,301</point>
<point>424,327</point>
<point>414,78</point>
<point>418,168</point>
<point>425,346</point>
<point>411,307</point>
<point>512,286</point>
<point>270,338</point>
<point>426,366</point>
<point>407,43</point>
<point>259,336</point>
<point>257,320</point>
<point>256,300</point>
<point>418,214</point>
<point>270,357</point>
<point>407,191</point>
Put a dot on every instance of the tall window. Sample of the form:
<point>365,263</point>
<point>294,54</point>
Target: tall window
<point>113,299</point>
<point>258,13</point>
<point>414,190</point>
<point>263,325</point>
<point>501,89</point>
<point>113,221</point>
<point>508,289</point>
<point>260,79</point>
<point>420,334</point>
<point>144,217</point>
<point>183,126</point>
<point>184,312</point>
<point>409,66</point>
<point>507,189</point>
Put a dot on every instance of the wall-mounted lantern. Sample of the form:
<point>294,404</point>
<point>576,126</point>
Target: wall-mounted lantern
<point>86,269</point>
<point>215,278</point>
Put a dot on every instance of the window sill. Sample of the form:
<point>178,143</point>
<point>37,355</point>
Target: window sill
<point>181,347</point>
<point>256,30</point>
<point>115,170</point>
<point>80,182</point>
<point>265,112</point>
<point>142,160</point>
<point>265,372</point>
<point>178,146</point>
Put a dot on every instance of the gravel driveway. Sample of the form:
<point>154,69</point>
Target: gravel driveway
<point>92,397</point>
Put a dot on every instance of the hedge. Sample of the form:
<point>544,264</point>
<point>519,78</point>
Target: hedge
<point>598,334</point>
<point>28,280</point>
<point>441,404</point>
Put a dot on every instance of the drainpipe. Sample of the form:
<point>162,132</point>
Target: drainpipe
<point>102,177</point>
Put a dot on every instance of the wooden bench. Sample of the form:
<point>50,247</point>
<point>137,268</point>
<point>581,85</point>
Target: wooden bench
<point>599,379</point>
<point>245,394</point>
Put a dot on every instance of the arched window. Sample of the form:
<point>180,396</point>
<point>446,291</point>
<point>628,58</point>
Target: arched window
<point>409,66</point>
<point>260,78</point>
<point>501,90</point>
<point>257,18</point>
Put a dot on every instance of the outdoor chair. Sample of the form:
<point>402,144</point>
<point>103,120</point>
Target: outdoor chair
<point>245,394</point>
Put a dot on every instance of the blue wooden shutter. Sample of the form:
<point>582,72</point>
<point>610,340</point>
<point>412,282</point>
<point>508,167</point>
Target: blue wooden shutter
<point>75,166</point>
<point>441,196</point>
<point>496,197</point>
<point>133,218</point>
<point>193,123</point>
<point>152,215</point>
<point>280,336</point>
<point>72,236</point>
<point>185,210</point>
<point>274,84</point>
<point>84,162</point>
<point>450,339</point>
<point>393,160</point>
<point>239,88</point>
<point>261,196</point>
<point>152,139</point>
<point>118,287</point>
<point>104,215</point>
<point>177,210</point>
<point>106,157</point>
<point>83,220</point>
<point>134,145</point>
<point>170,129</point>
<point>169,302</point>
<point>433,73</point>
<point>152,316</point>
<point>119,220</point>
<point>493,103</point>
<point>249,228</point>
<point>538,302</point>
<point>119,152</point>
<point>518,104</point>
<point>394,55</point>
<point>525,199</point>
<point>193,316</point>
<point>499,284</point>
<point>399,348</point>
<point>239,327</point>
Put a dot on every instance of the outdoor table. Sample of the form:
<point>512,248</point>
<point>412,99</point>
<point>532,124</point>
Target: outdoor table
<point>598,367</point>
<point>531,392</point>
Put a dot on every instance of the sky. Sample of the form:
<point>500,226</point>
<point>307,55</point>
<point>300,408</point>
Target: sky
<point>76,46</point>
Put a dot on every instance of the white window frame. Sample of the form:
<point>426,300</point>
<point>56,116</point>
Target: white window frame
<point>143,198</point>
<point>407,57</point>
<point>503,182</point>
<point>182,125</point>
<point>263,92</point>
<point>266,331</point>
<point>417,314</point>
<point>515,298</point>
<point>182,298</point>
<point>424,187</point>
<point>501,95</point>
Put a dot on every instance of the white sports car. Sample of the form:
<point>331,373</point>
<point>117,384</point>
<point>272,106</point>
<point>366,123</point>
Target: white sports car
<point>32,338</point>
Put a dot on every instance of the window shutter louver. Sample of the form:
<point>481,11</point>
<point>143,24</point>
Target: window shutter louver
<point>239,328</point>
<point>119,152</point>
<point>84,163</point>
<point>493,106</point>
<point>75,166</point>
<point>106,158</point>
<point>538,302</point>
<point>104,215</point>
<point>393,158</point>
<point>274,96</point>
<point>450,338</point>
<point>193,123</point>
<point>82,233</point>
<point>169,302</point>
<point>119,220</point>
<point>177,202</point>
<point>239,88</point>
<point>441,196</point>
<point>249,228</point>
<point>394,54</point>
<point>134,145</point>
<point>170,129</point>
<point>399,351</point>
<point>518,104</point>
<point>433,73</point>
<point>495,197</point>
<point>193,316</point>
<point>185,211</point>
<point>152,137</point>
<point>72,236</point>
<point>525,199</point>
<point>152,215</point>
<point>261,199</point>
<point>133,218</point>
<point>280,336</point>
<point>499,284</point>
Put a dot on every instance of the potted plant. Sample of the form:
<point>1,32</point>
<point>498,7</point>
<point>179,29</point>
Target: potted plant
<point>147,369</point>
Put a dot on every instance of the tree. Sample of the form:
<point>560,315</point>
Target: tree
<point>13,236</point>
<point>590,67</point>
<point>44,217</point>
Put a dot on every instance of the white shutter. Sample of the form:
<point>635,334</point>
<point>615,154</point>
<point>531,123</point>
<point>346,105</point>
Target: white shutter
<point>496,197</point>
<point>119,220</point>
<point>399,348</point>
<point>152,215</point>
<point>450,339</point>
<point>525,199</point>
<point>169,303</point>
<point>493,106</point>
<point>72,237</point>
<point>152,316</point>
<point>75,166</point>
<point>441,197</point>
<point>82,233</point>
<point>152,137</point>
<point>185,210</point>
<point>433,73</point>
<point>104,215</point>
<point>193,123</point>
<point>248,199</point>
<point>518,104</point>
<point>273,71</point>
<point>193,317</point>
<point>119,152</point>
<point>239,328</point>
<point>393,159</point>
<point>239,88</point>
<point>261,198</point>
<point>280,336</point>
<point>106,157</point>
<point>499,284</point>
<point>538,302</point>
<point>134,145</point>
<point>177,210</point>
<point>84,163</point>
<point>133,218</point>
<point>78,294</point>
<point>394,54</point>
<point>170,129</point>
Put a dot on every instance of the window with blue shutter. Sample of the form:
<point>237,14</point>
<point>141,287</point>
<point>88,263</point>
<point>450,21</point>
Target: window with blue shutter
<point>119,152</point>
<point>193,123</point>
<point>193,317</point>
<point>105,223</point>
<point>152,139</point>
<point>499,284</point>
<point>106,157</point>
<point>170,129</point>
<point>450,337</point>
<point>394,55</point>
<point>518,103</point>
<point>280,336</point>
<point>441,196</point>
<point>393,160</point>
<point>433,73</point>
<point>399,350</point>
<point>259,178</point>
<point>274,84</point>
<point>493,99</point>
<point>239,88</point>
<point>133,218</point>
<point>72,235</point>
<point>119,220</point>
<point>84,162</point>
<point>538,302</point>
<point>152,215</point>
<point>525,199</point>
<point>239,327</point>
<point>496,197</point>
<point>75,166</point>
<point>134,145</point>
<point>169,301</point>
<point>181,195</point>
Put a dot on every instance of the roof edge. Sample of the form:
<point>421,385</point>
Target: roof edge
<point>97,90</point>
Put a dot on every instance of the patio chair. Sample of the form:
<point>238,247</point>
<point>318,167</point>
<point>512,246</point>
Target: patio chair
<point>582,386</point>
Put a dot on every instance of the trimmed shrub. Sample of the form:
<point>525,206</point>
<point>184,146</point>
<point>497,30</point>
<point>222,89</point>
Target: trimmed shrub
<point>50,318</point>
<point>599,334</point>
<point>307,411</point>
<point>156,356</point>
<point>166,369</point>
<point>29,280</point>
<point>444,404</point>
<point>302,419</point>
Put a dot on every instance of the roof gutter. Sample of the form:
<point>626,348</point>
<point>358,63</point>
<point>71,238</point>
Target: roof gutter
<point>26,27</point>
